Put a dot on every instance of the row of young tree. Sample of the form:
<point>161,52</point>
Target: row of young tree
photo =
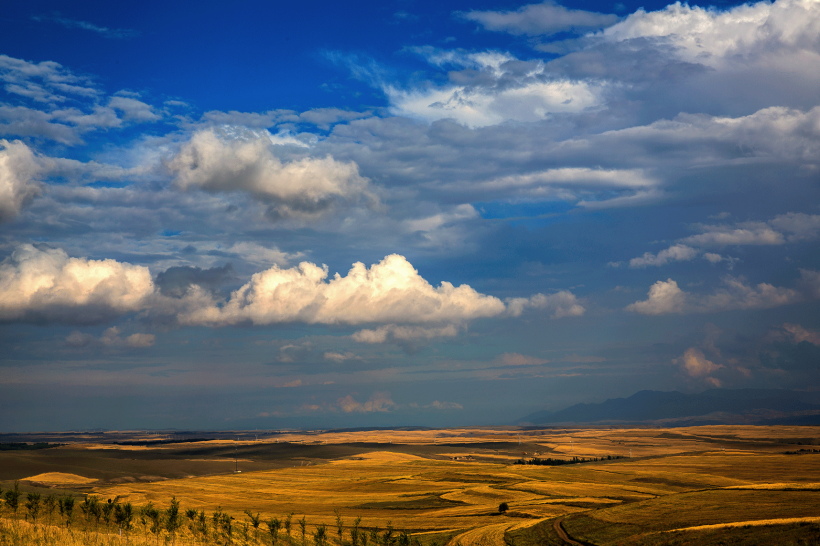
<point>559,462</point>
<point>168,524</point>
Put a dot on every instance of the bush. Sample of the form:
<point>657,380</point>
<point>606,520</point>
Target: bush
<point>503,507</point>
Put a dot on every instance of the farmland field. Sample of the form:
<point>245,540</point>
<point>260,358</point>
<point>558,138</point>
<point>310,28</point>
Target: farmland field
<point>698,485</point>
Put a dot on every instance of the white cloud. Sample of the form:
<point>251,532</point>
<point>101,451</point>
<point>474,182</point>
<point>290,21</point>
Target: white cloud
<point>665,297</point>
<point>435,404</point>
<point>800,334</point>
<point>340,357</point>
<point>481,106</point>
<point>302,188</point>
<point>133,109</point>
<point>394,333</point>
<point>431,223</point>
<point>550,183</point>
<point>799,226</point>
<point>561,304</point>
<point>47,285</point>
<point>117,33</point>
<point>257,254</point>
<point>729,235</point>
<point>810,282</point>
<point>516,359</point>
<point>111,338</point>
<point>696,364</point>
<point>379,402</point>
<point>18,169</point>
<point>675,253</point>
<point>714,37</point>
<point>390,291</point>
<point>545,19</point>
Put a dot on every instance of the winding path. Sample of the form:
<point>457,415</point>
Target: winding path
<point>563,534</point>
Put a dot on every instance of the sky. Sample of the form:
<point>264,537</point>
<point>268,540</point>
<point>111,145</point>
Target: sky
<point>266,215</point>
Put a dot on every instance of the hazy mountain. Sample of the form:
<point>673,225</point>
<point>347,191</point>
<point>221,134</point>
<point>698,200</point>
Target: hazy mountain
<point>751,406</point>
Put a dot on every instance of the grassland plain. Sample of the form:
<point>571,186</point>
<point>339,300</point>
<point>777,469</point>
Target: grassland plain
<point>697,485</point>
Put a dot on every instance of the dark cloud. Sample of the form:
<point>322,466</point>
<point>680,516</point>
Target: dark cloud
<point>175,281</point>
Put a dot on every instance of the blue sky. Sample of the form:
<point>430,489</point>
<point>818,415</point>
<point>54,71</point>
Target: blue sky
<point>271,215</point>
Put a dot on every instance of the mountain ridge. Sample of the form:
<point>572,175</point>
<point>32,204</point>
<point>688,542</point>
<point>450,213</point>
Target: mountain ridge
<point>674,408</point>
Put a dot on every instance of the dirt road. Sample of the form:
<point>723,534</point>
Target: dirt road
<point>563,534</point>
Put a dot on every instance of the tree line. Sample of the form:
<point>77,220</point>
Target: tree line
<point>559,462</point>
<point>32,518</point>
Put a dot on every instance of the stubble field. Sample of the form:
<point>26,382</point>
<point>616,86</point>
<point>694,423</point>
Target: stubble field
<point>698,485</point>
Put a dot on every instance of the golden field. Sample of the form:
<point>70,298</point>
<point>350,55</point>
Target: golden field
<point>696,485</point>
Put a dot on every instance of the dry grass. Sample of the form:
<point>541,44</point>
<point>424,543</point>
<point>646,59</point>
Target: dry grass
<point>688,481</point>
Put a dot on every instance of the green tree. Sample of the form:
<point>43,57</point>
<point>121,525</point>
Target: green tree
<point>216,520</point>
<point>67,509</point>
<point>302,526</point>
<point>203,524</point>
<point>108,511</point>
<point>255,521</point>
<point>374,536</point>
<point>340,526</point>
<point>49,505</point>
<point>404,539</point>
<point>172,519</point>
<point>320,535</point>
<point>273,527</point>
<point>354,532</point>
<point>503,507</point>
<point>227,526</point>
<point>13,498</point>
<point>363,538</point>
<point>33,506</point>
<point>387,538</point>
<point>123,515</point>
<point>286,524</point>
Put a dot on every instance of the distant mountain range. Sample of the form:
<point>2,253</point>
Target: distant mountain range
<point>715,406</point>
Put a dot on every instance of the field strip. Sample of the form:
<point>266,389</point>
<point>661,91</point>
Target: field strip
<point>489,535</point>
<point>754,522</point>
<point>781,486</point>
<point>60,478</point>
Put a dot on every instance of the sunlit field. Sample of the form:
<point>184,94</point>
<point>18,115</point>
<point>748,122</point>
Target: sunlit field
<point>699,485</point>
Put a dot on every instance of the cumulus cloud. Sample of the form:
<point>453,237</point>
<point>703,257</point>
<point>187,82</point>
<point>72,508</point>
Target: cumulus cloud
<point>799,334</point>
<point>304,188</point>
<point>665,297</point>
<point>44,284</point>
<point>713,37</point>
<point>111,337</point>
<point>696,364</point>
<point>18,170</point>
<point>379,402</point>
<point>390,291</point>
<point>542,19</point>
<point>789,227</point>
<point>561,304</point>
<point>675,253</point>
<point>340,357</point>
